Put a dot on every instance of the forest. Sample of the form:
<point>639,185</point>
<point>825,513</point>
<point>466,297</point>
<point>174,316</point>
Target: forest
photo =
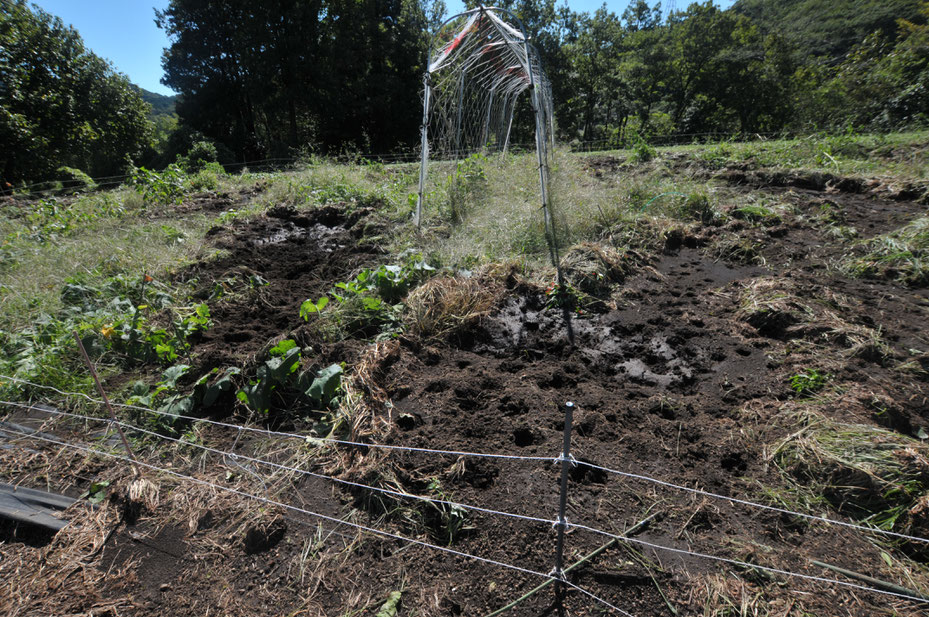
<point>332,76</point>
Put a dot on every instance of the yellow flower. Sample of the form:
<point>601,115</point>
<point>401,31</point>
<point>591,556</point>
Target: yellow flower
<point>106,331</point>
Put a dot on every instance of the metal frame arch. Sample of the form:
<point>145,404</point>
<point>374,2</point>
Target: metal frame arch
<point>540,105</point>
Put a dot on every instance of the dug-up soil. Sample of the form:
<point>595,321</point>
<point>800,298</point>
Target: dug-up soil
<point>672,375</point>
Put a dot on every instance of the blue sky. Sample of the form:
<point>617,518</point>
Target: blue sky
<point>124,31</point>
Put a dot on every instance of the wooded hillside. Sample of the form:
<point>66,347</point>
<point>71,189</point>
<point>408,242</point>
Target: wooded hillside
<point>329,76</point>
<point>829,29</point>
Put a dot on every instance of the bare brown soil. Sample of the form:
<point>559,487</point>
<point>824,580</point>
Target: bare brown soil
<point>670,378</point>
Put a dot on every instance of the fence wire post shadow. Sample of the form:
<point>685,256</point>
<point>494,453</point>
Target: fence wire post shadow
<point>562,524</point>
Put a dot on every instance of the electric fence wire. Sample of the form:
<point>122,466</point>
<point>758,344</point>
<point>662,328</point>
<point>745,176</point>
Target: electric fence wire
<point>310,439</point>
<point>745,564</point>
<point>271,502</point>
<point>281,467</point>
<point>744,502</point>
<point>270,433</point>
<point>621,538</point>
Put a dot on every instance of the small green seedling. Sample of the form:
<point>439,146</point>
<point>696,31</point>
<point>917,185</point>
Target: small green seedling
<point>808,382</point>
<point>97,492</point>
<point>309,307</point>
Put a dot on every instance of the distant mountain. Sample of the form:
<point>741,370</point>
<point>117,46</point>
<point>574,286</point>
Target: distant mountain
<point>161,105</point>
<point>827,28</point>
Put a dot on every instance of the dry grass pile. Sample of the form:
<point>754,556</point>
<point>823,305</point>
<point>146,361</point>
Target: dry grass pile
<point>595,268</point>
<point>778,308</point>
<point>445,305</point>
<point>719,595</point>
<point>737,248</point>
<point>61,577</point>
<point>875,475</point>
<point>80,572</point>
<point>902,255</point>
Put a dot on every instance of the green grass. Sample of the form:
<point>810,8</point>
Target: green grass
<point>503,221</point>
<point>875,475</point>
<point>903,155</point>
<point>35,270</point>
<point>902,254</point>
<point>98,243</point>
<point>755,214</point>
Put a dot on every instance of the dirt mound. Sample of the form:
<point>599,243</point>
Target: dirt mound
<point>266,267</point>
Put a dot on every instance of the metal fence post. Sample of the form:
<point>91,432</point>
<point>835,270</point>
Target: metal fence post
<point>562,524</point>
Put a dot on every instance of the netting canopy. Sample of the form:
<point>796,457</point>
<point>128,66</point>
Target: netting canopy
<point>479,65</point>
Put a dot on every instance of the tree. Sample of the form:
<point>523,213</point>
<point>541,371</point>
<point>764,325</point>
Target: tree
<point>645,62</point>
<point>267,78</point>
<point>638,16</point>
<point>884,81</point>
<point>754,79</point>
<point>696,39</point>
<point>61,105</point>
<point>597,96</point>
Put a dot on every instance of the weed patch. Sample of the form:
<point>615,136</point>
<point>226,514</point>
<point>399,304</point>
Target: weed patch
<point>123,322</point>
<point>369,305</point>
<point>755,214</point>
<point>902,255</point>
<point>280,386</point>
<point>164,187</point>
<point>875,475</point>
<point>808,382</point>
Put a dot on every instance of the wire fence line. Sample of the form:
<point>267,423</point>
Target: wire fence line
<point>282,467</point>
<point>550,576</point>
<point>745,502</point>
<point>269,433</point>
<point>654,546</point>
<point>644,478</point>
<point>331,519</point>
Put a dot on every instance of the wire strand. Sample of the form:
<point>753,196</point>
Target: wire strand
<point>331,519</point>
<point>753,504</point>
<point>644,478</point>
<point>305,438</point>
<point>281,467</point>
<point>744,564</point>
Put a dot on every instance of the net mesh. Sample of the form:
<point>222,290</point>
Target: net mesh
<point>479,67</point>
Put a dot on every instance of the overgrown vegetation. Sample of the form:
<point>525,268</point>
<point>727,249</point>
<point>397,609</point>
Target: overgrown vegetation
<point>876,475</point>
<point>111,266</point>
<point>369,305</point>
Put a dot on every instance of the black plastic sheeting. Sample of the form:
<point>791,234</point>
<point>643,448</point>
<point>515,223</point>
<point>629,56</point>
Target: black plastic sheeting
<point>29,506</point>
<point>26,505</point>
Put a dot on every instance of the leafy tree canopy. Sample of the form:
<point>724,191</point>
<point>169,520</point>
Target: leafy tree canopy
<point>60,104</point>
<point>265,78</point>
<point>827,28</point>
